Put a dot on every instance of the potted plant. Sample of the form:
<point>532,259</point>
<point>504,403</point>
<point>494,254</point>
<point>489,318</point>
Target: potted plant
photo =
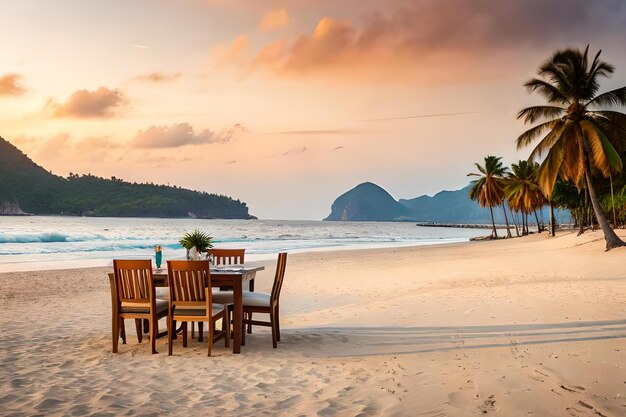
<point>202,241</point>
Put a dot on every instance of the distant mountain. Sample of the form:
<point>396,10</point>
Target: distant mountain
<point>367,202</point>
<point>370,202</point>
<point>450,207</point>
<point>25,187</point>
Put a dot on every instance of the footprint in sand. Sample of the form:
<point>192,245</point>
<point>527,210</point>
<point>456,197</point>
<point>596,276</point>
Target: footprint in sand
<point>489,405</point>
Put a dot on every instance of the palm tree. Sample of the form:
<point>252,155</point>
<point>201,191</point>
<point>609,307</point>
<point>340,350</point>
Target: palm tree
<point>523,192</point>
<point>577,139</point>
<point>488,189</point>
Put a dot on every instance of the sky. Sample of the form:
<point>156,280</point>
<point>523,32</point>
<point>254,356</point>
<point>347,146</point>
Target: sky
<point>286,104</point>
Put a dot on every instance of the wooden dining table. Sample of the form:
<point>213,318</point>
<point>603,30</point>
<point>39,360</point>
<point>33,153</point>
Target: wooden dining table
<point>231,277</point>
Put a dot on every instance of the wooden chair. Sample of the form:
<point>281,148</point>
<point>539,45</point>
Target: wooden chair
<point>190,300</point>
<point>255,302</point>
<point>133,297</point>
<point>228,256</point>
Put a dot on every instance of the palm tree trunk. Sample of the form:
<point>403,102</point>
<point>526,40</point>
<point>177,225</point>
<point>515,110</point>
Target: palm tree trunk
<point>493,223</point>
<point>552,225</point>
<point>506,219</point>
<point>612,240</point>
<point>537,219</point>
<point>613,201</point>
<point>515,221</point>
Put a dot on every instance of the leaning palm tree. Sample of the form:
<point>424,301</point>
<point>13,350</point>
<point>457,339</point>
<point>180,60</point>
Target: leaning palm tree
<point>488,189</point>
<point>577,137</point>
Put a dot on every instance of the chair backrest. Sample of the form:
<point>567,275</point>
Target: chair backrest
<point>190,284</point>
<point>228,256</point>
<point>278,278</point>
<point>134,283</point>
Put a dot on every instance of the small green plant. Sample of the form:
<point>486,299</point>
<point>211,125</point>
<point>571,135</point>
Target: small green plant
<point>201,240</point>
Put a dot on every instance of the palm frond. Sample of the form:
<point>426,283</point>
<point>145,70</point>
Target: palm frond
<point>549,140</point>
<point>531,134</point>
<point>552,93</point>
<point>549,169</point>
<point>603,154</point>
<point>615,97</point>
<point>531,114</point>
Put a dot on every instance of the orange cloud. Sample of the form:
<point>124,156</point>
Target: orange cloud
<point>434,39</point>
<point>10,85</point>
<point>100,103</point>
<point>233,53</point>
<point>181,134</point>
<point>158,77</point>
<point>274,20</point>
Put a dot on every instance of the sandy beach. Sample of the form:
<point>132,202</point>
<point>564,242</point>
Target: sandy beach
<point>534,326</point>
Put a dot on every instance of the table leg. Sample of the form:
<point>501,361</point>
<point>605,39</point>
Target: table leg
<point>237,315</point>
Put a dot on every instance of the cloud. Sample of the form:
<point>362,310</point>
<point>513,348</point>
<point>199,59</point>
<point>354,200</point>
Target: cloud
<point>54,147</point>
<point>319,132</point>
<point>158,77</point>
<point>88,145</point>
<point>182,134</point>
<point>337,148</point>
<point>421,116</point>
<point>295,151</point>
<point>233,53</point>
<point>415,37</point>
<point>273,20</point>
<point>10,85</point>
<point>100,103</point>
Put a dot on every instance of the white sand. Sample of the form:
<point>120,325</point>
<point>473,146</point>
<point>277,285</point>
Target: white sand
<point>523,327</point>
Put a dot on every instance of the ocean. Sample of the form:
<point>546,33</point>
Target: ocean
<point>56,242</point>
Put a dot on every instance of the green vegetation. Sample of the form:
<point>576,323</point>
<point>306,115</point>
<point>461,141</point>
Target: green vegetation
<point>35,190</point>
<point>201,240</point>
<point>580,151</point>
<point>580,142</point>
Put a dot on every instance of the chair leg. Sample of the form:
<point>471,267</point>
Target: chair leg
<point>193,329</point>
<point>139,329</point>
<point>171,330</point>
<point>210,336</point>
<point>115,333</point>
<point>146,326</point>
<point>243,331</point>
<point>184,324</point>
<point>277,318</point>
<point>250,324</point>
<point>122,330</point>
<point>154,331</point>
<point>226,328</point>
<point>273,325</point>
<point>200,331</point>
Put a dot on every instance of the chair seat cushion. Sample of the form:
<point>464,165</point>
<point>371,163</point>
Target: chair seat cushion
<point>256,299</point>
<point>253,299</point>
<point>161,306</point>
<point>162,293</point>
<point>178,311</point>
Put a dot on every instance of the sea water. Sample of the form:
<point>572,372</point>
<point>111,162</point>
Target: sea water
<point>56,242</point>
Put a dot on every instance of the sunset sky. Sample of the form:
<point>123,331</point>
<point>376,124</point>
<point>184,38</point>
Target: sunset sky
<point>284,104</point>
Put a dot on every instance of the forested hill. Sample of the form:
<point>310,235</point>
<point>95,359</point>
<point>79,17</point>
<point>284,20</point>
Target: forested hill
<point>26,187</point>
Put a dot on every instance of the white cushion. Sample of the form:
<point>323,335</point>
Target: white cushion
<point>162,293</point>
<point>254,299</point>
